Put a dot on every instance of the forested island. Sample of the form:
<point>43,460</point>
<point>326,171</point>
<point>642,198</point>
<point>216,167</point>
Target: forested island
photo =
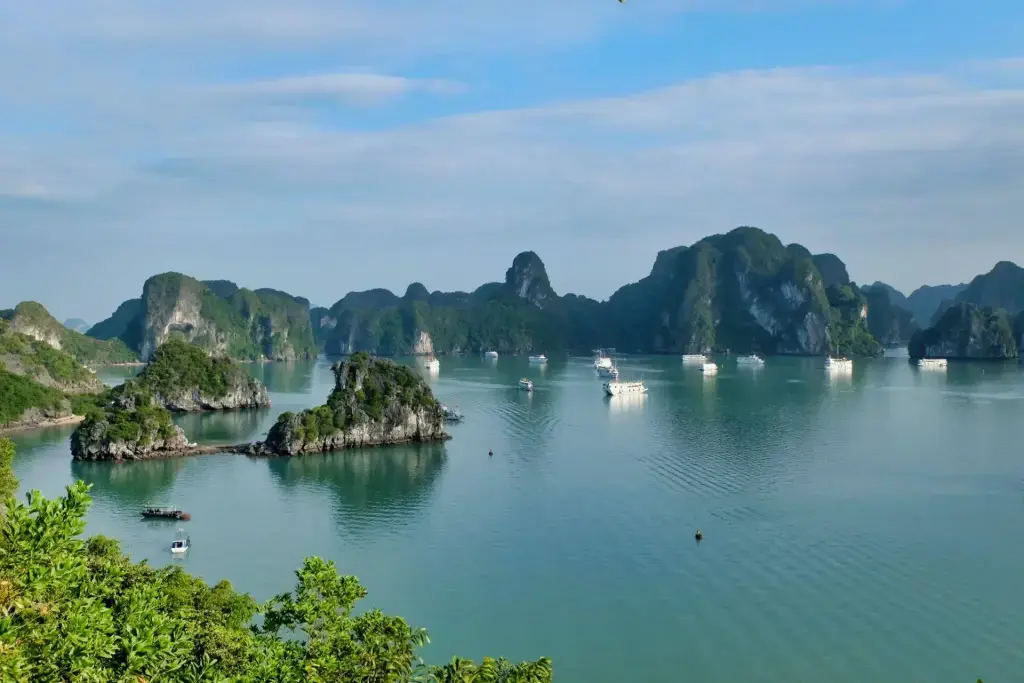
<point>375,402</point>
<point>133,420</point>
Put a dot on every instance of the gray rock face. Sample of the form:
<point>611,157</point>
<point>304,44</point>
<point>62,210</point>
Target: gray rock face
<point>529,279</point>
<point>969,332</point>
<point>251,394</point>
<point>89,442</point>
<point>402,426</point>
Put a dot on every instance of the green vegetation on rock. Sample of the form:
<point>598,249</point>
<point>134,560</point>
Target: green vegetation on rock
<point>741,291</point>
<point>374,401</point>
<point>217,316</point>
<point>178,366</point>
<point>850,335</point>
<point>33,320</point>
<point>78,609</point>
<point>1002,287</point>
<point>128,414</point>
<point>19,395</point>
<point>966,331</point>
<point>40,362</point>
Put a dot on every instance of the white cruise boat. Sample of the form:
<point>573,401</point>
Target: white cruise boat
<point>932,363</point>
<point>602,361</point>
<point>525,384</point>
<point>752,359</point>
<point>539,359</point>
<point>491,354</point>
<point>610,371</point>
<point>709,369</point>
<point>181,544</point>
<point>432,364</point>
<point>838,363</point>
<point>617,388</point>
<point>694,358</point>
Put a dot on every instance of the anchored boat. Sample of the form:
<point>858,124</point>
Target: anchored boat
<point>165,513</point>
<point>181,544</point>
<point>539,359</point>
<point>452,414</point>
<point>525,384</point>
<point>617,388</point>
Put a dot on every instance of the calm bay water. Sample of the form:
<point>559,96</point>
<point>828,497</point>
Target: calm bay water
<point>862,528</point>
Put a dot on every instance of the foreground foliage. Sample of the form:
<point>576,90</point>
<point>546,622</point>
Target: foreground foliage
<point>74,609</point>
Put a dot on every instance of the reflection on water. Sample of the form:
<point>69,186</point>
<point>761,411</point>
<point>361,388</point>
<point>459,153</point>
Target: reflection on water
<point>225,426</point>
<point>623,404</point>
<point>285,377</point>
<point>371,487</point>
<point>134,484</point>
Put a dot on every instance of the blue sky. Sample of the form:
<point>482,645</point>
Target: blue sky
<point>320,146</point>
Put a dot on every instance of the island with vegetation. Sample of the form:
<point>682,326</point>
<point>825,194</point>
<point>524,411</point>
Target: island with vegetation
<point>133,420</point>
<point>374,402</point>
<point>74,608</point>
<point>742,291</point>
<point>33,320</point>
<point>39,384</point>
<point>984,321</point>
<point>215,315</point>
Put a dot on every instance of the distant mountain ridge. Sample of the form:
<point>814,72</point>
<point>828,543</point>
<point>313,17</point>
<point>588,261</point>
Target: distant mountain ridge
<point>744,290</point>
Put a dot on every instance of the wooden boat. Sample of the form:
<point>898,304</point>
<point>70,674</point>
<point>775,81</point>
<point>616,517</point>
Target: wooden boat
<point>165,513</point>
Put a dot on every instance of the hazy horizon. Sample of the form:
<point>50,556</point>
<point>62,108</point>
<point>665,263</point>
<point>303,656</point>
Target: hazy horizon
<point>323,147</point>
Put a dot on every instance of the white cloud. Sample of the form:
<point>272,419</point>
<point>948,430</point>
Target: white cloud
<point>124,122</point>
<point>352,87</point>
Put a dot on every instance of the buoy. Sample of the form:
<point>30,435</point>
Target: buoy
<point>699,536</point>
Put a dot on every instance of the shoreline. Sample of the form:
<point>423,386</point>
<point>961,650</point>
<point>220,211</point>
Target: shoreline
<point>253,449</point>
<point>44,424</point>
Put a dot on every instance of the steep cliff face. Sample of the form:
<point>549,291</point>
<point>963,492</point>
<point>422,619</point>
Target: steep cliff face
<point>217,316</point>
<point>33,320</point>
<point>968,332</point>
<point>43,364</point>
<point>888,322</point>
<point>740,291</point>
<point>130,427</point>
<point>528,279</point>
<point>833,270</point>
<point>521,315</point>
<point>184,378</point>
<point>374,402</point>
<point>1001,287</point>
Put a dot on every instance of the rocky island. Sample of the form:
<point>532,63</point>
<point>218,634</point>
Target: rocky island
<point>375,402</point>
<point>133,421</point>
<point>217,315</point>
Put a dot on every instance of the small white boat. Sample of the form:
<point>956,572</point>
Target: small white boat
<point>932,363</point>
<point>525,384</point>
<point>617,388</point>
<point>602,361</point>
<point>752,359</point>
<point>491,354</point>
<point>838,363</point>
<point>539,359</point>
<point>433,364</point>
<point>608,371</point>
<point>181,544</point>
<point>709,369</point>
<point>694,358</point>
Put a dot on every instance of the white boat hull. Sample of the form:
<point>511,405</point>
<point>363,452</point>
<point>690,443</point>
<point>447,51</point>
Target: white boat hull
<point>709,369</point>
<point>935,363</point>
<point>620,388</point>
<point>694,358</point>
<point>538,359</point>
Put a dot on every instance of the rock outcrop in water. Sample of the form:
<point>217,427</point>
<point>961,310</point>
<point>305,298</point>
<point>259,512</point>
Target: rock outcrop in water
<point>184,378</point>
<point>129,427</point>
<point>965,331</point>
<point>216,315</point>
<point>374,402</point>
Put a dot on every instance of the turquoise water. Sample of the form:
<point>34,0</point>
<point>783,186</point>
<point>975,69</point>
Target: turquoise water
<point>863,528</point>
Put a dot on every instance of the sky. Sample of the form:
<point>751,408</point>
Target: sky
<point>323,146</point>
